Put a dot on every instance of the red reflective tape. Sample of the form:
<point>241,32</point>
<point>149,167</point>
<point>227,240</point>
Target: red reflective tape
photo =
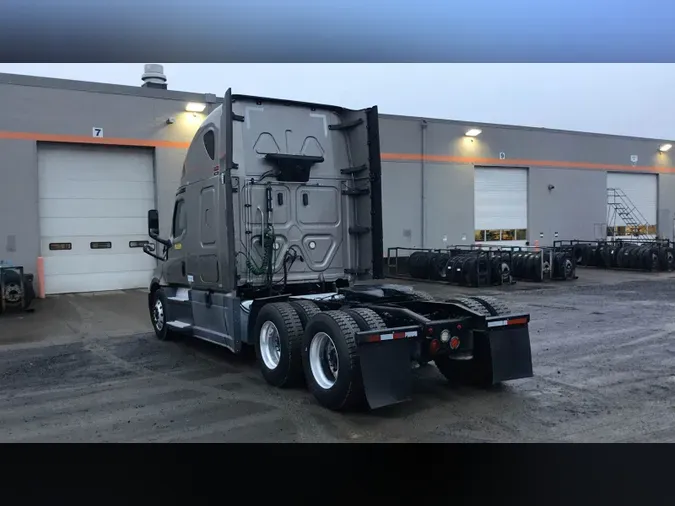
<point>376,338</point>
<point>517,321</point>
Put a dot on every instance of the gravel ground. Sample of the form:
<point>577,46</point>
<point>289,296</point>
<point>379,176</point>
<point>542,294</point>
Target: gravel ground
<point>603,353</point>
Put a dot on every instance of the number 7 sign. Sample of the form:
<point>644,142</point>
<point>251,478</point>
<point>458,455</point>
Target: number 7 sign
<point>97,132</point>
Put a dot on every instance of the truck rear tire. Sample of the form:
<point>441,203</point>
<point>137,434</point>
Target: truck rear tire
<point>278,341</point>
<point>420,295</point>
<point>331,361</point>
<point>306,309</point>
<point>159,316</point>
<point>366,319</point>
<point>494,305</point>
<point>471,304</point>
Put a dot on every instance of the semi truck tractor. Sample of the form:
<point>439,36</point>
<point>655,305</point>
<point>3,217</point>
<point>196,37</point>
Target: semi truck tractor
<point>276,243</point>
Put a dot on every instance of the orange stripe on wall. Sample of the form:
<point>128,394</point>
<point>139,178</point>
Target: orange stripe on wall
<point>406,157</point>
<point>82,139</point>
<point>393,157</point>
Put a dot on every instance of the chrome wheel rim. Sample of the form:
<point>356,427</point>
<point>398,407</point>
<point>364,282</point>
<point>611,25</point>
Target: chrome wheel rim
<point>158,315</point>
<point>270,345</point>
<point>323,360</point>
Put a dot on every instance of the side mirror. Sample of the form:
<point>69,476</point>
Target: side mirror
<point>153,222</point>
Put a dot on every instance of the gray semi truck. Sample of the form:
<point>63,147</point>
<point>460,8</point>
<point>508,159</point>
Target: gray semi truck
<point>276,244</point>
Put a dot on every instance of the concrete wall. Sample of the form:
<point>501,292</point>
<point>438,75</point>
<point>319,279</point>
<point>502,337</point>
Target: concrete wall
<point>36,109</point>
<point>576,164</point>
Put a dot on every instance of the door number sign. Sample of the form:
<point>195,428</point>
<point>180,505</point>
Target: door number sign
<point>97,132</point>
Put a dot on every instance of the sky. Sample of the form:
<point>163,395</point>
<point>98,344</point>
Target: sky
<point>622,99</point>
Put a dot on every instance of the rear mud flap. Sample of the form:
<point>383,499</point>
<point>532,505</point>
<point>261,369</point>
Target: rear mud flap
<point>505,354</point>
<point>386,372</point>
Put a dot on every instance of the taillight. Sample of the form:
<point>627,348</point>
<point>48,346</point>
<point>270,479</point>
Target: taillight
<point>434,346</point>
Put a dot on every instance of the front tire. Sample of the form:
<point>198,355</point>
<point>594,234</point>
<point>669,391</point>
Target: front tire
<point>278,343</point>
<point>331,362</point>
<point>159,316</point>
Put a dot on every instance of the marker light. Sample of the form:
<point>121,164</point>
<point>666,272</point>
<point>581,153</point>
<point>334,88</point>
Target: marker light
<point>445,336</point>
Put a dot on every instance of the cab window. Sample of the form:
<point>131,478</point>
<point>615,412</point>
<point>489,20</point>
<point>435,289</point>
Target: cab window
<point>179,219</point>
<point>210,144</point>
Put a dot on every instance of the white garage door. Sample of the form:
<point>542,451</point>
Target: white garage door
<point>642,193</point>
<point>93,207</point>
<point>500,197</point>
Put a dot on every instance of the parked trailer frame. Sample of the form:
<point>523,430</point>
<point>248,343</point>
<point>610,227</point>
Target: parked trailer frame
<point>277,251</point>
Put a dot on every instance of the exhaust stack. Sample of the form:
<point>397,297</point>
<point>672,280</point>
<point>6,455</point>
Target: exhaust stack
<point>153,76</point>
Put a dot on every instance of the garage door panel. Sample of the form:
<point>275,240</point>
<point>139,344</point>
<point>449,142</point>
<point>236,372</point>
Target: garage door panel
<point>95,163</point>
<point>82,245</point>
<point>56,173</point>
<point>101,262</point>
<point>63,189</point>
<point>56,284</point>
<point>500,201</point>
<point>641,189</point>
<point>99,227</point>
<point>95,208</point>
<point>95,194</point>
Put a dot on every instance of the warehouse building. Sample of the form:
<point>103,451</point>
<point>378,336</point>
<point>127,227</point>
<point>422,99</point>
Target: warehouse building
<point>83,162</point>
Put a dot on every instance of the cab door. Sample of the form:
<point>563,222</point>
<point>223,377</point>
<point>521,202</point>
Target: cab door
<point>175,268</point>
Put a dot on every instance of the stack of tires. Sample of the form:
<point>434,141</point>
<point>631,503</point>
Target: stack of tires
<point>428,265</point>
<point>528,265</point>
<point>646,257</point>
<point>564,267</point>
<point>462,269</point>
<point>632,256</point>
<point>459,267</point>
<point>500,268</point>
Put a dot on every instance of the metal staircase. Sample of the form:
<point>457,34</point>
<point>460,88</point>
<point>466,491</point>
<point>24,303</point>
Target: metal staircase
<point>620,205</point>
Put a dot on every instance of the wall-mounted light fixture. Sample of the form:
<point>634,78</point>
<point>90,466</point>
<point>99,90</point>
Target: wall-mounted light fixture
<point>195,107</point>
<point>551,187</point>
<point>665,147</point>
<point>474,132</point>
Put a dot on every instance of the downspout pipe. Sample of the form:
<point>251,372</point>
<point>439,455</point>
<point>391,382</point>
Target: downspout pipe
<point>423,149</point>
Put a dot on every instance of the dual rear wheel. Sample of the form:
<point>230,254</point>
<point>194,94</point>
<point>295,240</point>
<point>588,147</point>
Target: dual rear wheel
<point>296,341</point>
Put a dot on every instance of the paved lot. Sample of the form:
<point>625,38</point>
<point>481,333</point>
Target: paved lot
<point>86,368</point>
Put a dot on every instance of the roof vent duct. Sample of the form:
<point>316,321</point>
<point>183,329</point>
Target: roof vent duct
<point>153,76</point>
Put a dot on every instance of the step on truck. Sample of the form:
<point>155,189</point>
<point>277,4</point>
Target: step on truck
<point>276,243</point>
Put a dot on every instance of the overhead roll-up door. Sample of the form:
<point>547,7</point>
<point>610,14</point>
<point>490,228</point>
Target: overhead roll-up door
<point>641,191</point>
<point>500,196</point>
<point>93,204</point>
